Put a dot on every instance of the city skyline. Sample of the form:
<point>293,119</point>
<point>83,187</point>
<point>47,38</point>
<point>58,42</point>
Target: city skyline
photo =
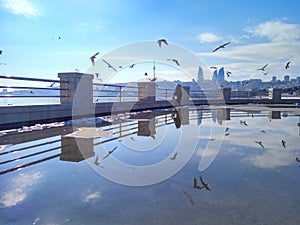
<point>42,39</point>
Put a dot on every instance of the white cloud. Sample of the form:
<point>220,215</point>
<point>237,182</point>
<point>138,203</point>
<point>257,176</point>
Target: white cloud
<point>277,31</point>
<point>92,196</point>
<point>208,38</point>
<point>19,188</point>
<point>21,7</point>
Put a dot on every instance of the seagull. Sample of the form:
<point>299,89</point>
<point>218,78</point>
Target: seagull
<point>109,66</point>
<point>213,67</point>
<point>52,84</point>
<point>153,79</point>
<point>263,68</point>
<point>174,156</point>
<point>221,46</point>
<point>265,73</point>
<point>283,142</point>
<point>0,52</point>
<point>228,74</point>
<point>132,138</point>
<point>77,70</point>
<point>287,65</point>
<point>160,41</point>
<point>263,131</point>
<point>297,159</point>
<point>175,61</point>
<point>109,152</point>
<point>227,129</point>
<point>260,143</point>
<point>146,74</point>
<point>132,65</point>
<point>243,122</point>
<point>96,162</point>
<point>93,57</point>
<point>195,184</point>
<point>205,185</point>
<point>190,197</point>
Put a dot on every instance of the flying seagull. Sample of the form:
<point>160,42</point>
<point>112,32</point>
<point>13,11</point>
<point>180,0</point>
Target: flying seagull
<point>175,61</point>
<point>228,74</point>
<point>0,52</point>
<point>190,197</point>
<point>263,68</point>
<point>221,46</point>
<point>93,57</point>
<point>213,67</point>
<point>52,84</point>
<point>132,65</point>
<point>109,65</point>
<point>297,159</point>
<point>174,156</point>
<point>283,142</point>
<point>287,65</point>
<point>205,185</point>
<point>160,41</point>
<point>109,152</point>
<point>260,143</point>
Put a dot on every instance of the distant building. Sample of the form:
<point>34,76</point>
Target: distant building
<point>286,78</point>
<point>274,78</point>
<point>200,78</point>
<point>215,75</point>
<point>221,74</point>
<point>298,80</point>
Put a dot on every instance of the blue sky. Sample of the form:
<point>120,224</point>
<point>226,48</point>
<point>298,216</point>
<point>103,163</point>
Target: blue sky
<point>260,32</point>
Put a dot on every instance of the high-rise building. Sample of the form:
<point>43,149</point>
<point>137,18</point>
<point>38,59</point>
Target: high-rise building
<point>215,75</point>
<point>200,78</point>
<point>298,80</point>
<point>274,78</point>
<point>286,78</point>
<point>221,74</point>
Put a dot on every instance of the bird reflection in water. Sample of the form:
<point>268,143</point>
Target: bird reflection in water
<point>190,197</point>
<point>260,143</point>
<point>110,152</point>
<point>174,156</point>
<point>205,184</point>
<point>96,162</point>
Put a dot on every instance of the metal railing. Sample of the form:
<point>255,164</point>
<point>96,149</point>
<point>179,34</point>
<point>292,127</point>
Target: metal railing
<point>36,91</point>
<point>164,93</point>
<point>112,92</point>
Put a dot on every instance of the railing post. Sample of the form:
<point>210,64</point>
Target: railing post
<point>226,94</point>
<point>120,90</point>
<point>275,95</point>
<point>78,92</point>
<point>147,91</point>
<point>185,95</point>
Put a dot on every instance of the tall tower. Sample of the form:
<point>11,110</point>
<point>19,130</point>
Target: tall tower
<point>200,77</point>
<point>221,74</point>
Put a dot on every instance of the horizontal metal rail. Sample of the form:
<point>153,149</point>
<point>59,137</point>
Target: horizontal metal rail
<point>37,88</point>
<point>31,79</point>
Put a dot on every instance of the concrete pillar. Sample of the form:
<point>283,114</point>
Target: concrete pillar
<point>146,127</point>
<point>147,91</point>
<point>185,95</point>
<point>226,94</point>
<point>76,149</point>
<point>79,92</point>
<point>275,94</point>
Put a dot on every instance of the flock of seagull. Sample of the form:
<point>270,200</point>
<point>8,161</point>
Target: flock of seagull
<point>162,42</point>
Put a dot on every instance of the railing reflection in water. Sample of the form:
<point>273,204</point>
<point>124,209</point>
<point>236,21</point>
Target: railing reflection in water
<point>31,148</point>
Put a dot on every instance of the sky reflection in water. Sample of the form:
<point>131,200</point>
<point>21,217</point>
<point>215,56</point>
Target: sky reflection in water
<point>250,184</point>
